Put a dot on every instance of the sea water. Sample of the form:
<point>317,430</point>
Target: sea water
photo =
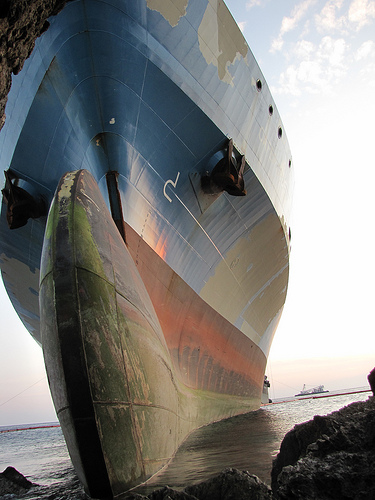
<point>246,442</point>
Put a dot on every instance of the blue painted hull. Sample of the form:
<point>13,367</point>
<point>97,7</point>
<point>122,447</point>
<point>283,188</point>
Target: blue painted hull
<point>154,93</point>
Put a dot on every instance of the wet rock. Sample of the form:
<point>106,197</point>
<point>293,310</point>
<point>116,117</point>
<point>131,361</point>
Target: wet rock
<point>371,380</point>
<point>21,23</point>
<point>339,476</point>
<point>13,482</point>
<point>231,484</point>
<point>329,457</point>
<point>167,493</point>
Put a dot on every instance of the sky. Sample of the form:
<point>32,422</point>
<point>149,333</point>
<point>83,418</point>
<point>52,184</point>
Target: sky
<point>318,57</point>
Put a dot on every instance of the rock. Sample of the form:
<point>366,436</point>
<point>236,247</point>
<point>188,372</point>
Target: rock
<point>167,493</point>
<point>339,476</point>
<point>329,457</point>
<point>21,23</point>
<point>13,482</point>
<point>231,484</point>
<point>135,496</point>
<point>371,380</point>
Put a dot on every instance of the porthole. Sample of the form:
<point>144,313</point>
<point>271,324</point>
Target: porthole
<point>270,110</point>
<point>280,133</point>
<point>259,85</point>
<point>290,163</point>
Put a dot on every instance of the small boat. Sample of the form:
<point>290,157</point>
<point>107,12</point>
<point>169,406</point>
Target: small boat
<point>265,399</point>
<point>319,389</point>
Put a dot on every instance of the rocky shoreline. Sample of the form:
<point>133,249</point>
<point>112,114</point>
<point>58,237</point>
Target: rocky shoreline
<point>328,458</point>
<point>13,482</point>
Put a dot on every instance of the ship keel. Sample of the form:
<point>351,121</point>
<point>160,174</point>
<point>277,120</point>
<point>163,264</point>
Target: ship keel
<point>107,363</point>
<point>123,406</point>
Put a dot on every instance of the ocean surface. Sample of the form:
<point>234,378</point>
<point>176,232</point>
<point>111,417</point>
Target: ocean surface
<point>247,442</point>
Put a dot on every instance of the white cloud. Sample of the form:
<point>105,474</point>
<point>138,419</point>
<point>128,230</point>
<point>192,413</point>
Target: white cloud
<point>306,29</point>
<point>365,56</point>
<point>242,25</point>
<point>332,51</point>
<point>290,23</point>
<point>277,44</point>
<point>307,77</point>
<point>289,82</point>
<point>327,20</point>
<point>304,49</point>
<point>253,3</point>
<point>315,68</point>
<point>310,73</point>
<point>367,49</point>
<point>361,13</point>
<point>367,76</point>
<point>325,49</point>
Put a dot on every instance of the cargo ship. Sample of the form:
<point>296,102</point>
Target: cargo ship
<point>145,226</point>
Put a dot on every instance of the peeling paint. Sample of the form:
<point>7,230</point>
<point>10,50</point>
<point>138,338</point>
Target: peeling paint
<point>220,40</point>
<point>66,187</point>
<point>171,11</point>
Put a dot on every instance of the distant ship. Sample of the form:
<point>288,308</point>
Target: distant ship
<point>144,232</point>
<point>319,389</point>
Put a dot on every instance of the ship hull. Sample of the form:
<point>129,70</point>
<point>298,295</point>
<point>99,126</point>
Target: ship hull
<point>152,99</point>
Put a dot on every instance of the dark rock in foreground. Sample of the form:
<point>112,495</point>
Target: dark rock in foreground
<point>371,380</point>
<point>330,457</point>
<point>13,482</point>
<point>231,484</point>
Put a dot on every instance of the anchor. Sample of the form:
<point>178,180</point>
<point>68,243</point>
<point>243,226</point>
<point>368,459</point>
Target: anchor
<point>227,175</point>
<point>21,205</point>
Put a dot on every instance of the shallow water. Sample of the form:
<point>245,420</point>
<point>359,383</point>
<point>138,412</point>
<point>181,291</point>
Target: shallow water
<point>247,442</point>
<point>40,455</point>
